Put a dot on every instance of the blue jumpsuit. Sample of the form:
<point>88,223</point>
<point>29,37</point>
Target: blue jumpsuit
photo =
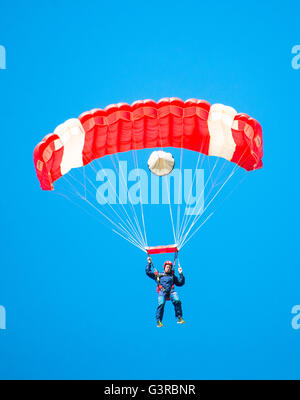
<point>167,281</point>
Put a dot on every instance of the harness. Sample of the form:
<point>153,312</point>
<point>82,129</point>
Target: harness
<point>160,287</point>
<point>158,275</point>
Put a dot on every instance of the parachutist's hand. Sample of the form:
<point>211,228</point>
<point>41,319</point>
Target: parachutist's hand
<point>149,260</point>
<point>180,270</point>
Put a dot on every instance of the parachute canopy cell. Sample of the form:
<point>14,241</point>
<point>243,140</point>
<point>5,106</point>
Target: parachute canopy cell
<point>214,130</point>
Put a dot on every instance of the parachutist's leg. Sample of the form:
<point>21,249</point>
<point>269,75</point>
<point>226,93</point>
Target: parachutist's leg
<point>177,304</point>
<point>160,308</point>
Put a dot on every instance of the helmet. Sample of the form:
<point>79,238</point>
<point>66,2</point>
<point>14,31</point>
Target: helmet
<point>168,263</point>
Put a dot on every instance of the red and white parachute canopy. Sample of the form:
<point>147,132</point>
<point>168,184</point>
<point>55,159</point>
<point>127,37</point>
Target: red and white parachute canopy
<point>213,130</point>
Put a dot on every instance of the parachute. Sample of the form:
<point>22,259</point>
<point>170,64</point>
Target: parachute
<point>212,131</point>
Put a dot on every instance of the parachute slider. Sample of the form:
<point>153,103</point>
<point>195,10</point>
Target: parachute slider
<point>162,249</point>
<point>161,163</point>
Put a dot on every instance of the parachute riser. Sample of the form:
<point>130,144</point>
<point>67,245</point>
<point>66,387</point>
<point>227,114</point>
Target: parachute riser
<point>176,256</point>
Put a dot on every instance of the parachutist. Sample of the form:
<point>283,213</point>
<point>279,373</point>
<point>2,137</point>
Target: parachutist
<point>166,282</point>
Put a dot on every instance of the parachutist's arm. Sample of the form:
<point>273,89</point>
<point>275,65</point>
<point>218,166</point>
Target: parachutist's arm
<point>150,273</point>
<point>179,281</point>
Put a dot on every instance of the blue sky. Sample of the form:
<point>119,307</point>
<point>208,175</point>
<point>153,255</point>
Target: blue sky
<point>78,303</point>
